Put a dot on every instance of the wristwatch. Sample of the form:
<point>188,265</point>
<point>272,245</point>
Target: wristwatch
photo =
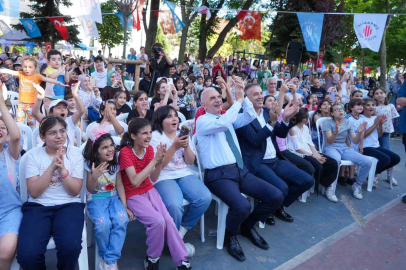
<point>272,124</point>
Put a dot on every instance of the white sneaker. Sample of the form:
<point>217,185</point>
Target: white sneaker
<point>330,195</point>
<point>182,232</point>
<point>190,250</point>
<point>357,191</point>
<point>104,266</point>
<point>394,182</point>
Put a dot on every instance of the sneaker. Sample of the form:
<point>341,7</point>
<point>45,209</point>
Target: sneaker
<point>151,264</point>
<point>342,181</point>
<point>104,266</point>
<point>375,184</point>
<point>182,232</point>
<point>394,182</point>
<point>185,265</point>
<point>330,195</point>
<point>190,250</point>
<point>357,191</point>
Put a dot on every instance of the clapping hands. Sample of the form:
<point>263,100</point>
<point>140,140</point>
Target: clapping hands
<point>160,153</point>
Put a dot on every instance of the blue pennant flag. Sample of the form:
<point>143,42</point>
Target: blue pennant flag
<point>30,46</point>
<point>312,26</point>
<point>10,8</point>
<point>83,46</point>
<point>176,20</point>
<point>1,7</point>
<point>31,27</point>
<point>129,22</point>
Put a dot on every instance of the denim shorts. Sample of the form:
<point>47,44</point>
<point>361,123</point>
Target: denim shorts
<point>10,222</point>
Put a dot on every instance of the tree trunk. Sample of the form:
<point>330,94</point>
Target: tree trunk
<point>382,55</point>
<point>363,64</point>
<point>150,32</point>
<point>182,46</point>
<point>91,44</point>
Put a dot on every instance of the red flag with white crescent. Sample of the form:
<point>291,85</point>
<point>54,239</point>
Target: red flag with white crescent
<point>249,24</point>
<point>138,11</point>
<point>60,26</point>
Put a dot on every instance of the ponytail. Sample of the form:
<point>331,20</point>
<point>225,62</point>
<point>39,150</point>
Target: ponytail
<point>133,128</point>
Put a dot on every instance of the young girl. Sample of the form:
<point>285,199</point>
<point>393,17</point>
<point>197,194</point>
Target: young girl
<point>140,107</point>
<point>54,180</point>
<point>90,96</point>
<point>311,102</point>
<point>10,201</point>
<point>386,158</point>
<point>337,130</point>
<point>113,85</point>
<point>176,181</point>
<point>121,102</point>
<point>27,92</point>
<point>300,142</point>
<point>183,103</point>
<point>384,108</point>
<point>137,165</point>
<point>108,117</point>
<point>208,82</point>
<point>105,208</point>
<point>164,94</point>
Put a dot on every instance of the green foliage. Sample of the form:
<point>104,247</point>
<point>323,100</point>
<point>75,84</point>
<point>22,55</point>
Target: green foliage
<point>49,8</point>
<point>111,32</point>
<point>161,38</point>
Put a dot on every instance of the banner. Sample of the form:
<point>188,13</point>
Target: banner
<point>176,21</point>
<point>369,30</point>
<point>10,8</point>
<point>89,27</point>
<point>69,46</point>
<point>249,23</point>
<point>91,10</point>
<point>60,26</point>
<point>49,46</point>
<point>203,10</point>
<point>137,21</point>
<point>31,28</point>
<point>166,21</point>
<point>5,29</point>
<point>129,21</point>
<point>30,46</point>
<point>312,26</point>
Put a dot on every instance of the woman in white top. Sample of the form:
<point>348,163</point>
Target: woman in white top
<point>54,180</point>
<point>300,142</point>
<point>176,181</point>
<point>89,95</point>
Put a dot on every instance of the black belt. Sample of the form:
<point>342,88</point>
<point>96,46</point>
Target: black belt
<point>223,167</point>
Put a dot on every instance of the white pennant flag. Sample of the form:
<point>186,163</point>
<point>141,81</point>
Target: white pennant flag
<point>89,27</point>
<point>91,10</point>
<point>369,30</point>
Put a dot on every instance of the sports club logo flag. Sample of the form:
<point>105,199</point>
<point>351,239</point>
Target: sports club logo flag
<point>312,26</point>
<point>176,20</point>
<point>369,30</point>
<point>166,21</point>
<point>249,24</point>
<point>129,21</point>
<point>5,29</point>
<point>89,27</point>
<point>91,10</point>
<point>10,8</point>
<point>60,26</point>
<point>31,28</point>
<point>137,12</point>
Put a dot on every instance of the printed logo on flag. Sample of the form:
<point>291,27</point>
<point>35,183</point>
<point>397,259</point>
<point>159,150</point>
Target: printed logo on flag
<point>367,31</point>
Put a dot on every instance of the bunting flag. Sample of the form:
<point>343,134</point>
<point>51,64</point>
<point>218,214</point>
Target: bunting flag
<point>129,21</point>
<point>89,27</point>
<point>166,21</point>
<point>176,21</point>
<point>312,26</point>
<point>30,46</point>
<point>69,46</point>
<point>5,29</point>
<point>369,29</point>
<point>60,26</point>
<point>83,46</point>
<point>249,24</point>
<point>10,8</point>
<point>203,10</point>
<point>49,46</point>
<point>91,10</point>
<point>31,28</point>
<point>137,21</point>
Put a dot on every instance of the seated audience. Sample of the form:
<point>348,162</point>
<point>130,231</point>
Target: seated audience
<point>164,94</point>
<point>113,85</point>
<point>121,102</point>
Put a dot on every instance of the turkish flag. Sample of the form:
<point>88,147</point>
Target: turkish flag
<point>250,24</point>
<point>59,25</point>
<point>137,22</point>
<point>49,46</point>
<point>367,70</point>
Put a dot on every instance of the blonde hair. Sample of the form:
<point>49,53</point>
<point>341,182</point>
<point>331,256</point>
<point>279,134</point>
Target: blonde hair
<point>30,58</point>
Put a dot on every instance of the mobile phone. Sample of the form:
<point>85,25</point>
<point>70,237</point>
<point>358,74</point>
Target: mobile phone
<point>118,76</point>
<point>333,96</point>
<point>184,131</point>
<point>92,82</point>
<point>169,80</point>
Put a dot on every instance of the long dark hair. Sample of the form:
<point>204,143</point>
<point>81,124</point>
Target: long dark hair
<point>103,107</point>
<point>157,86</point>
<point>386,98</point>
<point>302,114</point>
<point>91,153</point>
<point>137,95</point>
<point>318,111</point>
<point>175,82</point>
<point>268,96</point>
<point>159,116</point>
<point>133,128</point>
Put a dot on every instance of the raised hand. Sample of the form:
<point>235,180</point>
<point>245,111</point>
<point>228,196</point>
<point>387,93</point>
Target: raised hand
<point>273,112</point>
<point>284,88</point>
<point>378,120</point>
<point>239,88</point>
<point>40,90</point>
<point>160,153</point>
<point>75,90</point>
<point>337,129</point>
<point>59,163</point>
<point>99,170</point>
<point>383,119</point>
<point>362,127</point>
<point>290,111</point>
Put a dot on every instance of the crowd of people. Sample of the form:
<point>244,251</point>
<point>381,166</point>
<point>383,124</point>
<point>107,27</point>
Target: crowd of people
<point>257,134</point>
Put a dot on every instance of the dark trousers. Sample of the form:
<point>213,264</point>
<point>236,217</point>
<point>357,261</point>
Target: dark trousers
<point>288,178</point>
<point>324,174</point>
<point>229,183</point>
<point>386,158</point>
<point>63,222</point>
<point>301,163</point>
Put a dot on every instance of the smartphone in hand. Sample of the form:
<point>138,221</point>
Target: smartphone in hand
<point>184,131</point>
<point>92,82</point>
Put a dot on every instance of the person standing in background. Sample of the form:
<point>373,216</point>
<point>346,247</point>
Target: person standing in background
<point>144,57</point>
<point>132,56</point>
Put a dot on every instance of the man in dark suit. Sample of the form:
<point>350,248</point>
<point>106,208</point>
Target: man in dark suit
<point>261,155</point>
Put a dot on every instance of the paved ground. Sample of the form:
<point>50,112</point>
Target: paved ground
<point>352,234</point>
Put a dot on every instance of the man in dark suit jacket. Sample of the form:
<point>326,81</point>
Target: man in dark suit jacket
<point>261,155</point>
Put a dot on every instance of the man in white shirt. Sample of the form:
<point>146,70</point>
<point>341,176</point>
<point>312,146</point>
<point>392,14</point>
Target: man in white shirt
<point>225,174</point>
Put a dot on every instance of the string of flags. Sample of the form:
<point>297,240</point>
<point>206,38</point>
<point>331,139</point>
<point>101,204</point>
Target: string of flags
<point>368,28</point>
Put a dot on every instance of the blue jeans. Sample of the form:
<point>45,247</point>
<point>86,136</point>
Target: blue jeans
<point>348,153</point>
<point>190,188</point>
<point>386,158</point>
<point>110,224</point>
<point>384,141</point>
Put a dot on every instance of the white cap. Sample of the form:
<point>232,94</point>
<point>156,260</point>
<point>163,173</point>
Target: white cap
<point>56,102</point>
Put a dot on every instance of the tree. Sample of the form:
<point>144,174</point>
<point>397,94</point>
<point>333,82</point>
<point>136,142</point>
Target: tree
<point>152,28</point>
<point>49,8</point>
<point>111,33</point>
<point>188,15</point>
<point>161,38</point>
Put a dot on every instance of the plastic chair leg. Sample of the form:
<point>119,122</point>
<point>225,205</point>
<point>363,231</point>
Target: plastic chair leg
<point>202,229</point>
<point>221,224</point>
<point>261,225</point>
<point>83,257</point>
<point>371,175</point>
<point>90,231</point>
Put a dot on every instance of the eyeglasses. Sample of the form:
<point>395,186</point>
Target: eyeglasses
<point>339,110</point>
<point>53,133</point>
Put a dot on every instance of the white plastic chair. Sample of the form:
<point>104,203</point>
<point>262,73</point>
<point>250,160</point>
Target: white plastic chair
<point>130,104</point>
<point>129,84</point>
<point>83,258</point>
<point>222,210</point>
<point>14,106</point>
<point>149,103</point>
<point>181,116</point>
<point>311,114</point>
<point>12,95</point>
<point>26,132</point>
<point>122,117</point>
<point>35,136</point>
